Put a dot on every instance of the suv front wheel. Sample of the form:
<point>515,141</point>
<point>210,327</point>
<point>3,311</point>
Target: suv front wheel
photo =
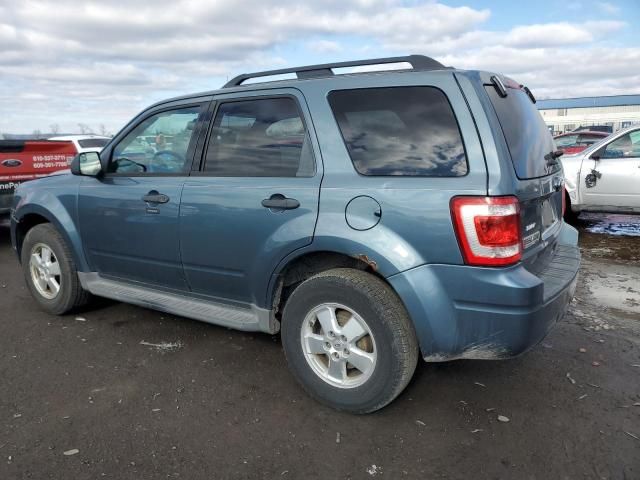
<point>348,340</point>
<point>50,271</point>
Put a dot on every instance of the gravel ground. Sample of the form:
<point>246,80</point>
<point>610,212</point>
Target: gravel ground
<point>127,393</point>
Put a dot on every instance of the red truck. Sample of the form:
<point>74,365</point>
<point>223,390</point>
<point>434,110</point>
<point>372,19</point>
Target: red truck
<point>24,160</point>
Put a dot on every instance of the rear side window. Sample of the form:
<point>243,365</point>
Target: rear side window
<point>590,139</point>
<point>406,131</point>
<point>566,141</point>
<point>93,142</point>
<point>527,136</point>
<point>259,138</point>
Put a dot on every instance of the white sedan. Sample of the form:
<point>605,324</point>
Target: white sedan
<point>606,176</point>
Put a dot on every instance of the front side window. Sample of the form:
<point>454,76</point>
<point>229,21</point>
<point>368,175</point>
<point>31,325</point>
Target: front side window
<point>627,146</point>
<point>406,131</point>
<point>157,145</point>
<point>259,138</point>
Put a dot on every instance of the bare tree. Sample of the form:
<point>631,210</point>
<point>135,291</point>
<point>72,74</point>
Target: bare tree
<point>84,128</point>
<point>55,128</point>
<point>103,131</point>
<point>37,133</point>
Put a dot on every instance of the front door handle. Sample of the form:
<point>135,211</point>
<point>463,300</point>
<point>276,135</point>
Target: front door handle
<point>278,201</point>
<point>155,197</point>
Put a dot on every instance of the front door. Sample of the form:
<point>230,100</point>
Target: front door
<point>129,217</point>
<point>255,199</point>
<point>617,177</point>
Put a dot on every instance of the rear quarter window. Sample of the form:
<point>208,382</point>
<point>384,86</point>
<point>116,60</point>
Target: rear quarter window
<point>400,131</point>
<point>93,142</point>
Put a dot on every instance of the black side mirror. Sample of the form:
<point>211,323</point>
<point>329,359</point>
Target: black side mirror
<point>87,163</point>
<point>597,155</point>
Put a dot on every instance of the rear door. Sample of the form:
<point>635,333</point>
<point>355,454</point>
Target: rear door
<point>539,178</point>
<point>255,198</point>
<point>617,182</point>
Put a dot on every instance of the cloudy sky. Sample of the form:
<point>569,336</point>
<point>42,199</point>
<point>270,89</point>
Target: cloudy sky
<point>67,62</point>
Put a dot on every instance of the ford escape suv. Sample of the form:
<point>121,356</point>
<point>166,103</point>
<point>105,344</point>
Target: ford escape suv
<point>370,218</point>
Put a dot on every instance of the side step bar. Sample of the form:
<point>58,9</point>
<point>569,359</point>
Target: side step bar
<point>252,319</point>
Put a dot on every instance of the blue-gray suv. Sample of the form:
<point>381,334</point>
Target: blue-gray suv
<point>369,217</point>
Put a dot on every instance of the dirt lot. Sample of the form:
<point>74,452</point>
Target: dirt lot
<point>146,395</point>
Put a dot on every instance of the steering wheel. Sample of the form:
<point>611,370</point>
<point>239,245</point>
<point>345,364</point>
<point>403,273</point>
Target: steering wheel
<point>166,161</point>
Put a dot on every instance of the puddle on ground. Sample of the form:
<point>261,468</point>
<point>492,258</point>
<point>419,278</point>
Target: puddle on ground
<point>614,286</point>
<point>611,224</point>
<point>612,237</point>
<point>610,245</point>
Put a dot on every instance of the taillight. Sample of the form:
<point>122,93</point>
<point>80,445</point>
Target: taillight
<point>488,229</point>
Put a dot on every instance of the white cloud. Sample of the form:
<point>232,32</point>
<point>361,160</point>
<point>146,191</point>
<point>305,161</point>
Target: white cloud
<point>101,62</point>
<point>548,35</point>
<point>608,8</point>
<point>324,46</point>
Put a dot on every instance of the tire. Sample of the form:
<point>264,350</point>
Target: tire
<point>386,356</point>
<point>570,216</point>
<point>59,267</point>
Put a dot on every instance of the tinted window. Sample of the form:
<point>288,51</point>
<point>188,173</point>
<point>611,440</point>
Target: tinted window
<point>589,139</point>
<point>527,136</point>
<point>400,131</point>
<point>93,142</point>
<point>259,138</point>
<point>157,145</point>
<point>626,146</point>
<point>566,141</point>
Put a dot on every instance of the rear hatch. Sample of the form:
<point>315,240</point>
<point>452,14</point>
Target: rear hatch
<point>539,179</point>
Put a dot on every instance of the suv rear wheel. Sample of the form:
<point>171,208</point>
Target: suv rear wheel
<point>50,271</point>
<point>348,340</point>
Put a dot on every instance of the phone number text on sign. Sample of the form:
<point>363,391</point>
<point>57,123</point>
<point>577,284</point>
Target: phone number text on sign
<point>51,161</point>
<point>50,165</point>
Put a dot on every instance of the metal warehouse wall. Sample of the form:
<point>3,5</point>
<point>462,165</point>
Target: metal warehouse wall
<point>567,119</point>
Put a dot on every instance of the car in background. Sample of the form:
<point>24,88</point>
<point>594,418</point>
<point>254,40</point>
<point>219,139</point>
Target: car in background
<point>24,160</point>
<point>605,177</point>
<point>608,129</point>
<point>572,143</point>
<point>84,143</point>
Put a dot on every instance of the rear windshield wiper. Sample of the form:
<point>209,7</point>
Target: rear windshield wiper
<point>528,92</point>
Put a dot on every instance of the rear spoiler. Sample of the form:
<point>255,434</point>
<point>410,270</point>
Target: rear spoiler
<point>501,87</point>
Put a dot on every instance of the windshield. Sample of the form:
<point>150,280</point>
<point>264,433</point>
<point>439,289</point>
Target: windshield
<point>527,136</point>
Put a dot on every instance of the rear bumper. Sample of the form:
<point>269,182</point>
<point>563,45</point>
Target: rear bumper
<point>488,313</point>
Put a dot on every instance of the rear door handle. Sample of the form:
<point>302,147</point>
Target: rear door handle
<point>278,201</point>
<point>155,197</point>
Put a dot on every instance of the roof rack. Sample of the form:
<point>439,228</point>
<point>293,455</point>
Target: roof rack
<point>418,62</point>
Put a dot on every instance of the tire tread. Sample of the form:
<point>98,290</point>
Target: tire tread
<point>389,307</point>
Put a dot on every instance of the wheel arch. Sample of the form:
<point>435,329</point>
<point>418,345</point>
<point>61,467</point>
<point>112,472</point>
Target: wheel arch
<point>33,215</point>
<point>306,264</point>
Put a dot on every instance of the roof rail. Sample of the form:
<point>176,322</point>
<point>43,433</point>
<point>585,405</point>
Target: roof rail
<point>418,62</point>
